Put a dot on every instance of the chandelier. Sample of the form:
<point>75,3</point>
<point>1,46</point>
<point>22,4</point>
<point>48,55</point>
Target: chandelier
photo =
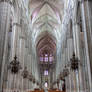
<point>14,66</point>
<point>74,63</point>
<point>65,72</point>
<point>25,73</point>
<point>37,82</point>
<point>34,81</point>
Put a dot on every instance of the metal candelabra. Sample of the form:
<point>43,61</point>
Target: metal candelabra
<point>14,66</point>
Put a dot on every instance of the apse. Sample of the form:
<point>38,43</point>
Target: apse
<point>46,49</point>
<point>46,52</point>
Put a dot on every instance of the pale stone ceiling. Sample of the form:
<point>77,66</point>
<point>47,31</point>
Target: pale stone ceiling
<point>48,21</point>
<point>45,21</point>
<point>48,16</point>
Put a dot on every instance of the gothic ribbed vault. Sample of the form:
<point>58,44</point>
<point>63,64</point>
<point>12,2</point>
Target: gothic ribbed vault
<point>45,44</point>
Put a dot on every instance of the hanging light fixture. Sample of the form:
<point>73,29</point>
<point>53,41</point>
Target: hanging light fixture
<point>61,76</point>
<point>65,72</point>
<point>74,62</point>
<point>34,81</point>
<point>25,73</point>
<point>30,77</point>
<point>14,66</point>
<point>37,83</point>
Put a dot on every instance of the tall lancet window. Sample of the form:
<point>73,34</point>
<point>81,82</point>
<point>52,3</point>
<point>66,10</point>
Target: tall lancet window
<point>46,72</point>
<point>41,58</point>
<point>50,58</point>
<point>46,84</point>
<point>46,58</point>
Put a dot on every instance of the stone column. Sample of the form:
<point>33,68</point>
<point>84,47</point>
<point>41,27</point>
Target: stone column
<point>28,61</point>
<point>88,19</point>
<point>30,70</point>
<point>15,35</point>
<point>22,51</point>
<point>14,47</point>
<point>4,29</point>
<point>76,38</point>
<point>84,26</point>
<point>67,77</point>
<point>27,64</point>
<point>69,52</point>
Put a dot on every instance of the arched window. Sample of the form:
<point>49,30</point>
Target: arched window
<point>46,84</point>
<point>41,58</point>
<point>47,58</point>
<point>50,58</point>
<point>46,72</point>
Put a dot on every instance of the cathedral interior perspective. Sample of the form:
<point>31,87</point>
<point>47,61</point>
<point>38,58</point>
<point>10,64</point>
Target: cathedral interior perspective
<point>45,45</point>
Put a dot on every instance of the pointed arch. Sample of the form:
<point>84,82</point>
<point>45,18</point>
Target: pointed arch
<point>46,44</point>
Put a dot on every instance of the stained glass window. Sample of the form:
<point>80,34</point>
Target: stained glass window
<point>41,58</point>
<point>50,58</point>
<point>46,72</point>
<point>46,59</point>
<point>46,55</point>
<point>46,84</point>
